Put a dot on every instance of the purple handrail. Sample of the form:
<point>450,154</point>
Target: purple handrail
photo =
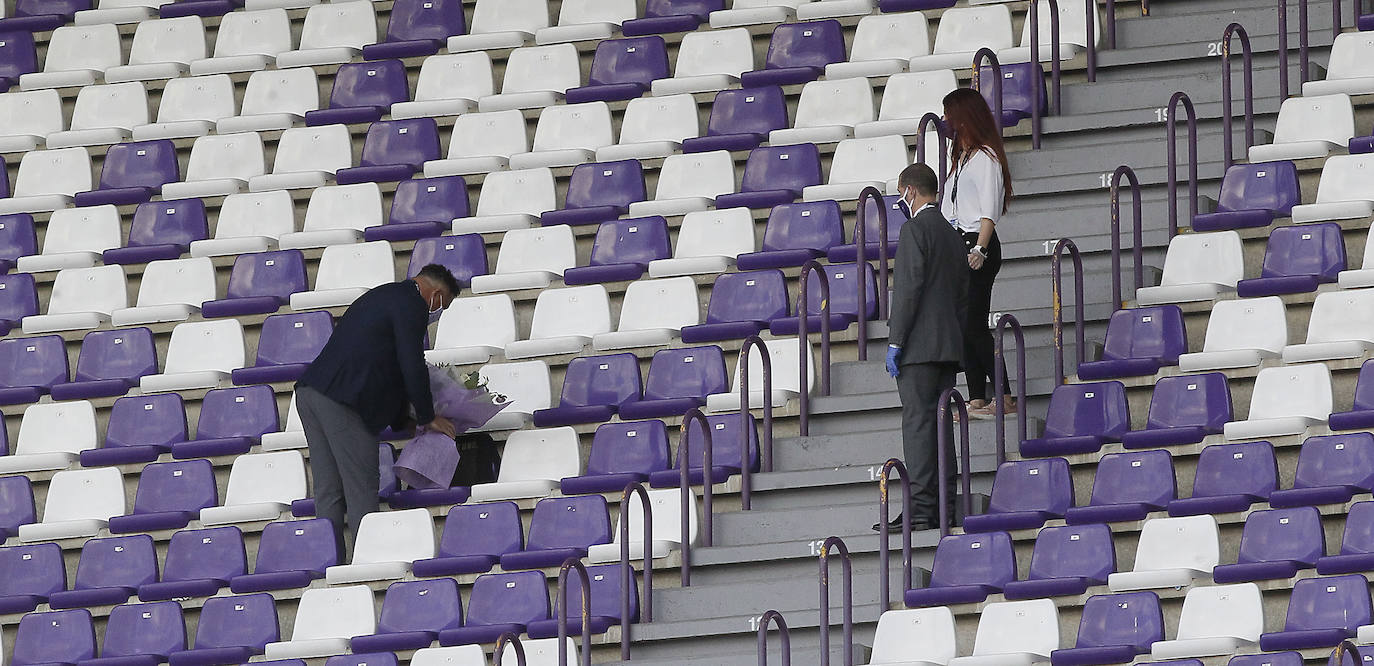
<point>1137,231</point>
<point>803,337</point>
<point>1171,125</point>
<point>514,641</point>
<point>1038,82</point>
<point>930,119</point>
<point>941,457</point>
<point>1090,8</point>
<point>1057,305</point>
<point>847,567</point>
<point>1336,25</point>
<point>1303,58</point>
<point>1008,321</point>
<point>626,572</point>
<point>1111,20</point>
<point>884,512</point>
<point>784,636</point>
<point>861,258</point>
<point>996,65</point>
<point>766,444</point>
<point>574,563</point>
<point>1236,29</point>
<point>685,490</point>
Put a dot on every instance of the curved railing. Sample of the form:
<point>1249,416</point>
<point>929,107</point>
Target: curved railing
<point>1137,234</point>
<point>627,573</point>
<point>1038,79</point>
<point>847,568</point>
<point>784,637</point>
<point>999,365</point>
<point>942,457</point>
<point>514,641</point>
<point>1171,124</point>
<point>1111,20</point>
<point>1238,30</point>
<point>927,121</point>
<point>694,415</point>
<point>861,258</point>
<point>991,57</point>
<point>574,564</point>
<point>803,334</point>
<point>884,516</point>
<point>753,343</point>
<point>1057,305</point>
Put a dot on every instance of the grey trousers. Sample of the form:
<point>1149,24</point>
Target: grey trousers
<point>919,386</point>
<point>343,463</point>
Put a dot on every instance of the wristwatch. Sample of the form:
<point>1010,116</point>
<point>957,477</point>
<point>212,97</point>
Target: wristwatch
<point>978,250</point>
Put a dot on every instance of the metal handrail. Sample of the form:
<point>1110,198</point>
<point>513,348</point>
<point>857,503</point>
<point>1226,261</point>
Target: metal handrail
<point>1091,10</point>
<point>784,636</point>
<point>1238,30</point>
<point>1303,57</point>
<point>1137,233</point>
<point>1057,305</point>
<point>1008,321</point>
<point>627,573</point>
<point>861,258</point>
<point>803,336</point>
<point>884,513</point>
<point>766,437</point>
<point>1336,25</point>
<point>930,119</point>
<point>847,602</point>
<point>685,489</point>
<point>574,564</point>
<point>1171,149</point>
<point>996,65</point>
<point>941,457</point>
<point>514,641</point>
<point>1111,20</point>
<point>1038,80</point>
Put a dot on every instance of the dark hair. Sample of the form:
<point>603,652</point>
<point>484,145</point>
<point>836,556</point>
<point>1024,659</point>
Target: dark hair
<point>920,177</point>
<point>441,276</point>
<point>969,118</point>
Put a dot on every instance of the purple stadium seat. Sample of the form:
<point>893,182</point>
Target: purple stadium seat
<point>1296,260</point>
<point>561,527</point>
<point>1081,418</point>
<point>1276,543</point>
<point>1252,195</point>
<point>132,173</point>
<point>1268,659</point>
<point>679,379</point>
<point>1017,83</point>
<point>230,630</point>
<point>1025,494</point>
<point>1230,477</point>
<point>1357,544</point>
<point>18,56</point>
<point>475,537</point>
<point>1128,486</point>
<point>1183,410</point>
<point>599,191</point>
<point>1331,470</point>
<point>29,367</point>
<point>290,555</point>
<point>725,452</point>
<point>260,283</point>
<point>622,251</point>
<point>1114,629</point>
<point>421,208</point>
<point>796,233</point>
<point>797,53</point>
<point>418,28</point>
<point>363,93</point>
<point>662,17</point>
<point>141,428</point>
<point>1066,561</point>
<point>594,388</point>
<point>29,574</point>
<point>141,635</point>
<point>232,420</point>
<point>109,572</point>
<point>18,299</point>
<point>1322,612</point>
<point>1139,341</point>
<point>1361,414</point>
<point>604,590</point>
<point>16,503</point>
<point>362,659</point>
<point>110,364</point>
<point>198,8</point>
<point>622,452</point>
<point>967,568</point>
<point>465,256</point>
<point>775,175</point>
<point>623,69</point>
<point>844,300</point>
<point>17,239</point>
<point>57,637</point>
<point>170,495</point>
<point>413,614</point>
<point>394,150</point>
<point>161,230</point>
<point>286,345</point>
<point>4,181</point>
<point>742,304</point>
<point>896,217</point>
<point>43,15</point>
<point>741,120</point>
<point>499,603</point>
<point>198,564</point>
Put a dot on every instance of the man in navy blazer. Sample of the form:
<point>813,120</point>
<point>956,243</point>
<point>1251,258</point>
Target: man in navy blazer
<point>369,375</point>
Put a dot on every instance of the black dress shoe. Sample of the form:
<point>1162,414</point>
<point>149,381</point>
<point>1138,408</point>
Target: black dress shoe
<point>895,525</point>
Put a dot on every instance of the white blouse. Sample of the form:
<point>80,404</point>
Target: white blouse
<point>980,193</point>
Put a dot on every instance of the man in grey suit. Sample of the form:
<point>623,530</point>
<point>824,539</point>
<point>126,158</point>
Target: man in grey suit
<point>926,332</point>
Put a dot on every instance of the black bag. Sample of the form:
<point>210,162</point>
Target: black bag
<point>480,460</point>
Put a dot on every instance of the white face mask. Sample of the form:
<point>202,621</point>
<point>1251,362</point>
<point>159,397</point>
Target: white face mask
<point>910,203</point>
<point>435,312</point>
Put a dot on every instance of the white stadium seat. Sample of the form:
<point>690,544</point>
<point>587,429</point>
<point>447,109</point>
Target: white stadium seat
<point>709,60</point>
<point>247,42</point>
<point>118,11</point>
<point>1073,34</point>
<point>170,290</point>
<point>275,99</point>
<point>536,76</point>
<point>511,200</point>
<point>80,503</point>
<point>1285,401</point>
<point>907,98</point>
<point>307,157</point>
<point>1217,620</point>
<point>81,298</point>
<point>27,118</point>
<point>755,12</point>
<point>482,143</point>
<point>962,31</point>
<point>162,49</point>
<point>48,179</point>
<point>201,354</point>
<point>104,115</point>
<point>665,510</point>
<point>529,259</point>
<point>502,24</point>
<point>190,107</point>
<point>541,651</point>
<point>326,619</point>
<point>828,111</point>
<point>347,272</point>
<point>689,182</point>
<point>75,238</point>
<point>565,320</point>
<point>457,655</point>
<point>1014,633</point>
<point>474,329</point>
<point>860,163</point>
<point>333,33</point>
<point>914,636</point>
<point>653,127</point>
<point>567,135</point>
<point>249,222</point>
<point>336,215</point>
<point>449,85</point>
<point>1341,325</point>
<point>262,486</point>
<point>532,464</point>
<point>290,437</point>
<point>1350,69</point>
<point>387,543</point>
<point>580,20</point>
<point>1241,333</point>
<point>1197,267</point>
<point>883,45</point>
<point>52,436</point>
<point>1309,127</point>
<point>77,56</point>
<point>1364,275</point>
<point>527,386</point>
<point>652,313</point>
<point>219,164</point>
<point>818,9</point>
<point>787,384</point>
<point>1172,552</point>
<point>1345,191</point>
<point>708,242</point>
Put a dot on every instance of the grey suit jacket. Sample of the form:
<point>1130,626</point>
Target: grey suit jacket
<point>929,291</point>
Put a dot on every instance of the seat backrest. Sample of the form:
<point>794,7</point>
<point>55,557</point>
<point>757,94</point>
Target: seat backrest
<point>421,605</point>
<point>669,118</point>
<point>492,134</point>
<point>1098,408</point>
<point>521,597</point>
<point>178,222</point>
<point>147,420</point>
<point>1191,400</point>
<point>688,372</point>
<point>553,68</point>
<point>1232,611</point>
<point>1294,390</point>
<point>457,655</point>
<point>699,9</point>
<point>327,148</point>
<point>206,345</point>
<point>569,522</point>
<point>241,411</point>
<point>1032,485</point>
<point>1271,186</point>
<point>891,37</point>
<point>126,353</point>
<point>1291,535</point>
<point>1344,459</point>
<point>583,311</point>
<point>1146,333</point>
<point>974,559</point>
<point>86,229</point>
<point>812,225</point>
<point>335,612</point>
<point>38,362</point>
<point>1170,543</point>
<point>260,32</point>
<point>455,76</point>
<point>525,383</point>
<point>279,274</point>
<point>293,338</point>
<point>725,442</point>
<point>434,20</point>
<point>205,98</point>
<point>790,168</point>
<point>784,357</point>
<point>18,236</point>
<point>36,112</point>
<point>189,281</point>
<point>809,44</point>
<point>54,636</point>
<point>82,494</point>
<point>748,296</point>
<point>668,303</point>
<point>477,321</point>
<point>35,569</point>
<point>357,206</point>
<point>914,634</point>
<point>295,91</point>
<point>394,536</point>
<point>359,266</point>
<point>665,512</point>
<point>1204,258</point>
<point>538,249</point>
<point>377,84</point>
<point>242,620</point>
<point>874,159</point>
<point>584,126</point>
<point>17,54</point>
<point>74,47</point>
<point>636,447</point>
<point>1145,477</point>
<point>707,52</point>
<point>1341,315</point>
<point>412,142</point>
<point>611,379</point>
<point>491,529</point>
<point>967,29</point>
<point>843,102</point>
<point>617,184</point>
<point>16,502</point>
<point>510,15</point>
<point>179,40</point>
<point>297,545</point>
<point>715,233</point>
<point>1345,178</point>
<point>637,60</point>
<point>576,12</point>
<point>52,427</point>
<point>1315,118</point>
<point>1074,551</point>
<point>440,200</point>
<point>1012,627</point>
<point>268,214</point>
<point>124,561</point>
<point>1132,618</point>
<point>215,553</point>
<point>1246,468</point>
<point>18,297</point>
<point>1334,602</point>
<point>637,241</point>
<point>1314,249</point>
<point>914,94</point>
<point>1350,56</point>
<point>61,171</point>
<point>95,289</point>
<point>1073,27</point>
<point>351,24</point>
<point>278,477</point>
<point>605,583</point>
<point>226,156</point>
<point>548,453</point>
<point>686,175</point>
<point>747,111</point>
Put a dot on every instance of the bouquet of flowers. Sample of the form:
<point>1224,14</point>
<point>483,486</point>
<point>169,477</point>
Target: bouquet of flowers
<point>430,458</point>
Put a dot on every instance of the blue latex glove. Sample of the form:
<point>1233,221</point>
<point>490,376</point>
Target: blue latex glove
<point>893,354</point>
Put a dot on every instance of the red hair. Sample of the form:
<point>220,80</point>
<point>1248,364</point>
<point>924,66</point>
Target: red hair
<point>967,115</point>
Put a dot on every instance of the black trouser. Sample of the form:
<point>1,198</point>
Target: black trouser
<point>979,348</point>
<point>919,386</point>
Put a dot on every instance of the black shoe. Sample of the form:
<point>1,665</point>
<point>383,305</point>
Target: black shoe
<point>895,525</point>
